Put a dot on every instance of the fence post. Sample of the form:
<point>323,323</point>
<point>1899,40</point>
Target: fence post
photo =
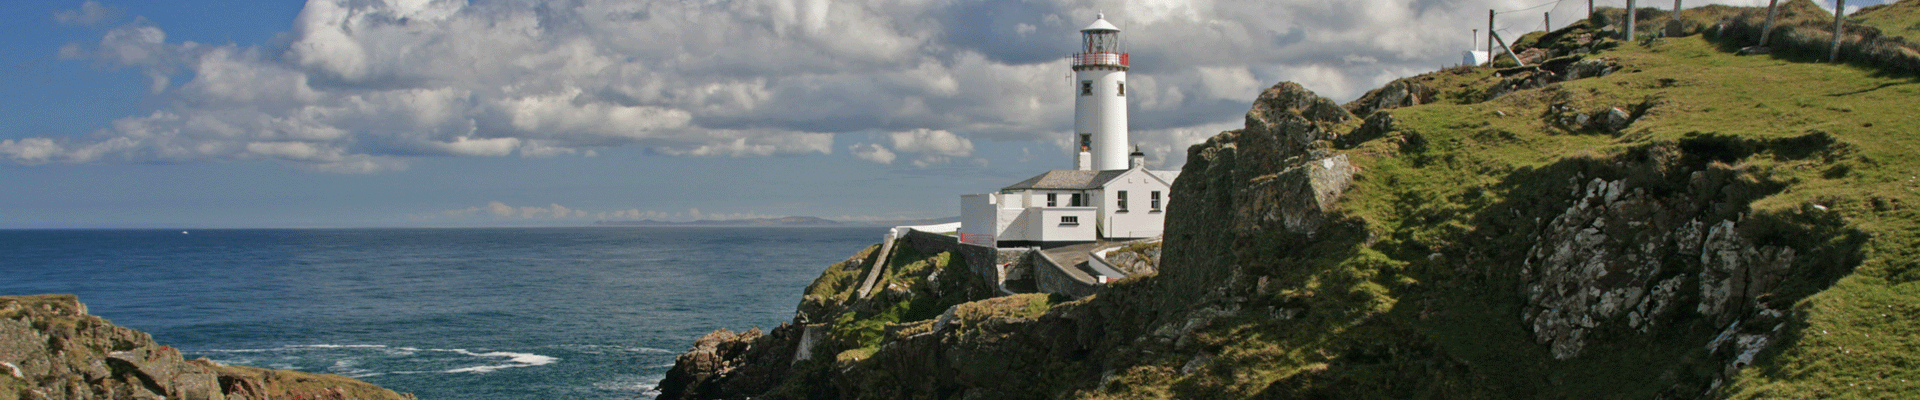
<point>1630,20</point>
<point>1674,27</point>
<point>1766,30</point>
<point>1839,11</point>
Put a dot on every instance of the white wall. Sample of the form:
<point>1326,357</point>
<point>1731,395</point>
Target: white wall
<point>1046,221</point>
<point>1104,114</point>
<point>979,215</point>
<point>1140,219</point>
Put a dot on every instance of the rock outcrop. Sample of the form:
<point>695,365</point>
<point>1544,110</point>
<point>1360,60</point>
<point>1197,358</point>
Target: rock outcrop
<point>1491,245</point>
<point>52,349</point>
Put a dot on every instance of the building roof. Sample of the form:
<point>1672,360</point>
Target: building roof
<point>1100,24</point>
<point>1072,179</point>
<point>1068,179</point>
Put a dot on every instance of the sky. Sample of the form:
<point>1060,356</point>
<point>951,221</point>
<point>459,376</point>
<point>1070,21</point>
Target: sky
<point>432,113</point>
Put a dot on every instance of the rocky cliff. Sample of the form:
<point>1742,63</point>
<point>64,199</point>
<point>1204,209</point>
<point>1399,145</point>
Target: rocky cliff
<point>1653,220</point>
<point>51,348</point>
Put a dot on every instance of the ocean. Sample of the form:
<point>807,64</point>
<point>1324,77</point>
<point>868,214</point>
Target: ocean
<point>494,313</point>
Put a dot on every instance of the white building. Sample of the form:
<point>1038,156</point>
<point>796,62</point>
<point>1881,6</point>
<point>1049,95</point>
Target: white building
<point>1109,195</point>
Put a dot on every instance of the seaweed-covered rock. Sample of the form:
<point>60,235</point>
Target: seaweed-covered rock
<point>52,349</point>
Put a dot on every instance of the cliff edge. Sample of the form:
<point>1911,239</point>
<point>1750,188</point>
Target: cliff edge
<point>51,348</point>
<point>1661,219</point>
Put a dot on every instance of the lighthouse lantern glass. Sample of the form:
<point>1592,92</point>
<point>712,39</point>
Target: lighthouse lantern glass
<point>1102,42</point>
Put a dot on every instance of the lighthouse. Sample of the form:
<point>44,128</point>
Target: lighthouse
<point>1100,104</point>
<point>1109,195</point>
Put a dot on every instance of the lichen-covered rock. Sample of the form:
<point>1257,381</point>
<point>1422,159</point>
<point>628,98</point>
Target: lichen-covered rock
<point>1396,94</point>
<point>1589,68</point>
<point>54,350</point>
<point>1622,254</point>
<point>1615,119</point>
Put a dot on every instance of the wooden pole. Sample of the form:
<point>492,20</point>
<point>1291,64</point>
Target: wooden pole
<point>1767,29</point>
<point>1839,11</point>
<point>1630,20</point>
<point>1510,52</point>
<point>1489,35</point>
<point>1549,15</point>
<point>1589,9</point>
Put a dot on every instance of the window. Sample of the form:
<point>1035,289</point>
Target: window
<point>1121,89</point>
<point>1069,220</point>
<point>1086,88</point>
<point>1053,199</point>
<point>1077,202</point>
<point>1086,141</point>
<point>1123,200</point>
<point>1155,197</point>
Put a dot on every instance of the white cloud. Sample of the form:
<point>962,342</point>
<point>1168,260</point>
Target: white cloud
<point>90,13</point>
<point>929,141</point>
<point>365,86</point>
<point>928,146</point>
<point>30,151</point>
<point>872,152</point>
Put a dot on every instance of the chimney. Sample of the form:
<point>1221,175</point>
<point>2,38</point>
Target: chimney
<point>1137,159</point>
<point>1084,161</point>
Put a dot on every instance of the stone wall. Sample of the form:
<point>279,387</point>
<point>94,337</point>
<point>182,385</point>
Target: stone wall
<point>982,260</point>
<point>1051,277</point>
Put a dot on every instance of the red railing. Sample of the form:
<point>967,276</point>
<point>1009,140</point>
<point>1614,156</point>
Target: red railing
<point>977,239</point>
<point>1120,59</point>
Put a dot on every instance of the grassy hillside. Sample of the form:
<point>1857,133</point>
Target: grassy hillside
<point>1422,302</point>
<point>1662,219</point>
<point>1860,123</point>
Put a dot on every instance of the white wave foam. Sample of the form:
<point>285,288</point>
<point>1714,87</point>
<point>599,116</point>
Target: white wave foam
<point>603,348</point>
<point>293,347</point>
<point>351,365</point>
<point>518,360</point>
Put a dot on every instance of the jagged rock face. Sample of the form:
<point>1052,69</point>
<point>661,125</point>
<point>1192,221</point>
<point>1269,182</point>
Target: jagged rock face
<point>1552,71</point>
<point>1274,176</point>
<point>1136,261</point>
<point>1622,254</point>
<point>705,370</point>
<point>1396,94</point>
<point>52,349</point>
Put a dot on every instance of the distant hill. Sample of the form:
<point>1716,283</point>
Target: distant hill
<point>782,221</point>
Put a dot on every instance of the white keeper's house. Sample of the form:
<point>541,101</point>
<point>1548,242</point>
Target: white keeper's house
<point>1110,194</point>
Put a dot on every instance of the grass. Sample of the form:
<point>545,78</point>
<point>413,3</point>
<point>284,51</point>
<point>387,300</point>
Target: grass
<point>841,279</point>
<point>1900,18</point>
<point>1423,312</point>
<point>1839,137</point>
<point>1414,291</point>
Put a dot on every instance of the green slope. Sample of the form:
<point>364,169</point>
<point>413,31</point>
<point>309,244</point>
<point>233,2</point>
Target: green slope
<point>1423,280</point>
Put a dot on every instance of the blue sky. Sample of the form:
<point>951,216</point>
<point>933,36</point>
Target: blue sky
<point>375,113</point>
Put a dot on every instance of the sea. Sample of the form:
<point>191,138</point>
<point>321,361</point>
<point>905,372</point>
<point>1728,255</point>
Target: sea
<point>493,313</point>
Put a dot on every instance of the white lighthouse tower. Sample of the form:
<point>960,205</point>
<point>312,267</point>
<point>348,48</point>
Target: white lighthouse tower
<point>1109,195</point>
<point>1100,107</point>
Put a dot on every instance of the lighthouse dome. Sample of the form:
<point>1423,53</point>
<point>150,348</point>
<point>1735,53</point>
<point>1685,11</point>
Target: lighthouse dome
<point>1100,24</point>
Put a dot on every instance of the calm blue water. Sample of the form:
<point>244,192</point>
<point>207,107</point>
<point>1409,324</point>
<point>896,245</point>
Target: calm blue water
<point>511,313</point>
